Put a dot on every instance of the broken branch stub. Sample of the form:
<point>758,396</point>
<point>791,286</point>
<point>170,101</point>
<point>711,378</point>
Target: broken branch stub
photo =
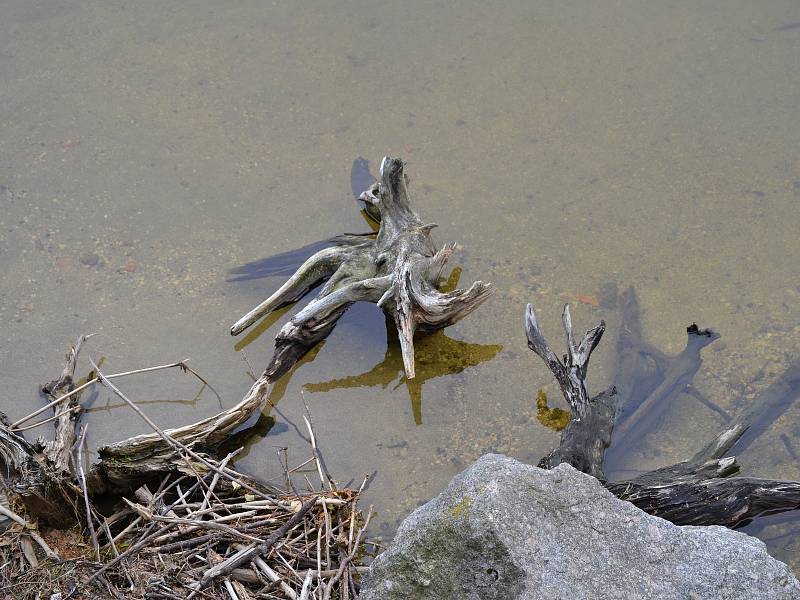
<point>398,270</point>
<point>588,434</point>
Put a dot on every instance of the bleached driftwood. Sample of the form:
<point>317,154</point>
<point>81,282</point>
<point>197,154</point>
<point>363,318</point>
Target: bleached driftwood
<point>399,271</point>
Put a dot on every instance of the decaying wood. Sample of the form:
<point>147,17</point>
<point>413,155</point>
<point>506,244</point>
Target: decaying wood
<point>588,433</point>
<point>132,460</point>
<point>398,270</point>
<point>40,475</point>
<point>58,452</point>
<point>699,491</point>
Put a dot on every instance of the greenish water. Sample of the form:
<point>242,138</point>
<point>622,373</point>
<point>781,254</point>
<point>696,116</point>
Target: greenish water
<point>147,149</point>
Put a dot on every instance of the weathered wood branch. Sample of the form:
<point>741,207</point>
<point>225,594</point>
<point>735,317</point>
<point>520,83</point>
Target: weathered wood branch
<point>126,463</point>
<point>43,475</point>
<point>588,434</point>
<point>699,491</point>
<point>398,270</point>
<point>44,492</point>
<point>59,451</point>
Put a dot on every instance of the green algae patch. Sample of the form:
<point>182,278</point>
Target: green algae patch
<point>462,508</point>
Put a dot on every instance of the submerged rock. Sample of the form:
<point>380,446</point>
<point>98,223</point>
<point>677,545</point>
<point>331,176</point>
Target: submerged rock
<point>505,530</point>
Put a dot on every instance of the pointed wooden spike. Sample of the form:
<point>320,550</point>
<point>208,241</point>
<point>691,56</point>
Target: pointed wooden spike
<point>406,327</point>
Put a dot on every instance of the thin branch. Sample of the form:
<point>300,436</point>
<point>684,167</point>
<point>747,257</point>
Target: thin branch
<point>82,478</point>
<point>181,364</point>
<point>48,420</point>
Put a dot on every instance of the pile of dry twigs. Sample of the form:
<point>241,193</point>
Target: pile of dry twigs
<point>198,530</point>
<point>203,536</point>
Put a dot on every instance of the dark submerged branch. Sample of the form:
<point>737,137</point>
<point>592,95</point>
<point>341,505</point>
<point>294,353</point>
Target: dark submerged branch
<point>700,491</point>
<point>588,433</point>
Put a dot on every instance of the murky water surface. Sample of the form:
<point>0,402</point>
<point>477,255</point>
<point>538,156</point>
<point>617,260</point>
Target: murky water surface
<point>146,149</point>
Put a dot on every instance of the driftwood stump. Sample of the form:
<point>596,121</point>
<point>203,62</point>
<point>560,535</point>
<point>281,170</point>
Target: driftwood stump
<point>699,491</point>
<point>399,270</point>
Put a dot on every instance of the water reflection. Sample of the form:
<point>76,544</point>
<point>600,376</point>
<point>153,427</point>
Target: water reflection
<point>436,355</point>
<point>552,418</point>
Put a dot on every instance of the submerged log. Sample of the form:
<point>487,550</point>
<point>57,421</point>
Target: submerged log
<point>699,491</point>
<point>398,270</point>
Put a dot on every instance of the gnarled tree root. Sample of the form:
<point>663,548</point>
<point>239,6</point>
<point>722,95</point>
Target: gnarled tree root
<point>398,270</point>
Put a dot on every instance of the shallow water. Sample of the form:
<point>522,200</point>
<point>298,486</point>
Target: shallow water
<point>148,149</point>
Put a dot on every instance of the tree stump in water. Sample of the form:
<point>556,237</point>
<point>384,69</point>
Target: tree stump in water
<point>693,492</point>
<point>399,270</point>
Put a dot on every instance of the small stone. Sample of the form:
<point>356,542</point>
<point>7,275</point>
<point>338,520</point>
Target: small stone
<point>89,259</point>
<point>129,267</point>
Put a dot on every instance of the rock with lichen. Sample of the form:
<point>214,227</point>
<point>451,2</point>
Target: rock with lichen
<point>504,530</point>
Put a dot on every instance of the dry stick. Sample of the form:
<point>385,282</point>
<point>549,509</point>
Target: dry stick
<point>327,520</point>
<point>82,478</point>
<point>110,537</point>
<point>182,364</point>
<point>223,463</point>
<point>283,560</point>
<point>242,557</point>
<point>195,524</point>
<point>43,421</point>
<point>306,585</point>
<point>274,577</point>
<point>315,453</point>
<point>230,590</point>
<point>319,552</point>
<point>7,512</point>
<point>301,465</point>
<point>315,449</point>
<point>135,522</point>
<point>143,541</point>
<point>350,557</point>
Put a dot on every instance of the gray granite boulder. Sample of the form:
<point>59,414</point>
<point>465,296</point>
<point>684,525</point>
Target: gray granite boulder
<point>505,530</point>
